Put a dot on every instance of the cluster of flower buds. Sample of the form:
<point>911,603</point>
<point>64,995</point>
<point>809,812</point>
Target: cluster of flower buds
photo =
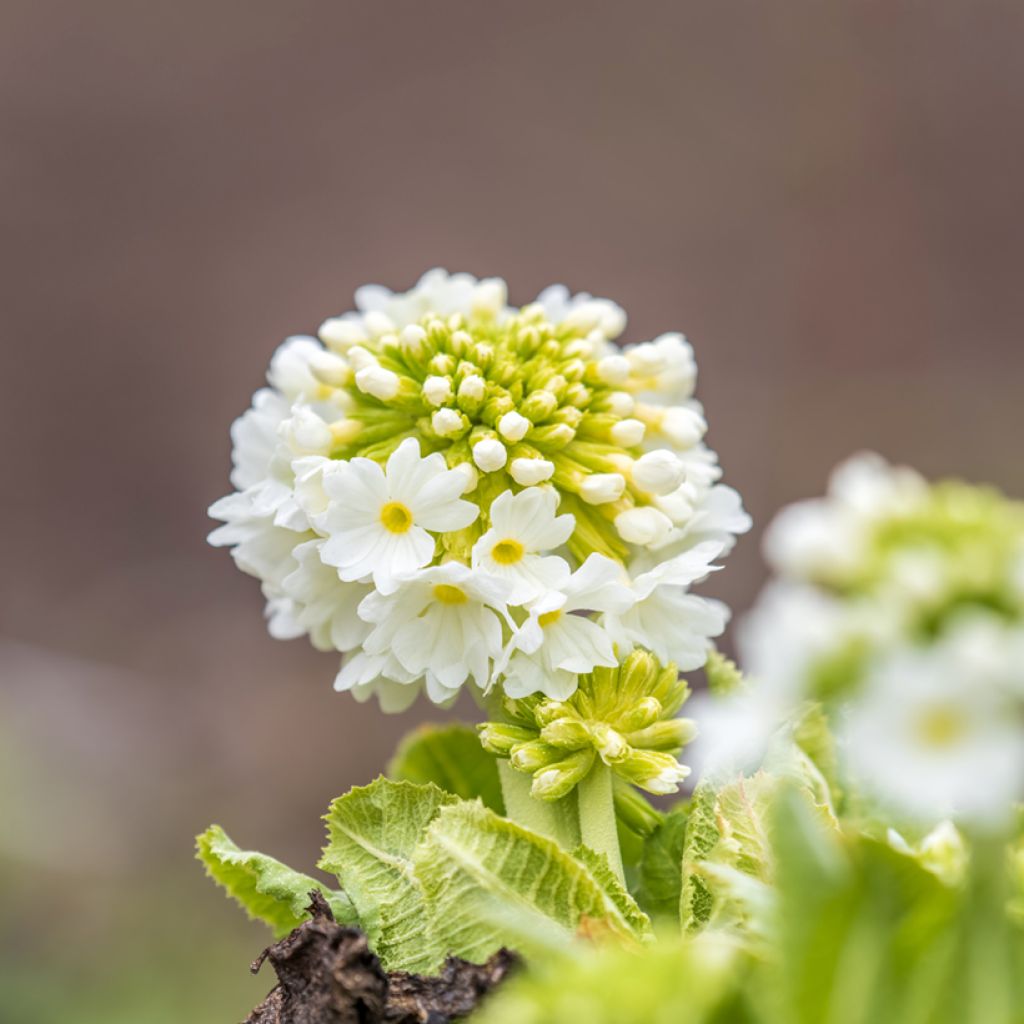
<point>625,715</point>
<point>447,489</point>
<point>899,604</point>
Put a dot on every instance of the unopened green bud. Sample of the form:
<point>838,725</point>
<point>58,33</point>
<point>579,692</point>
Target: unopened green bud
<point>559,779</point>
<point>534,755</point>
<point>500,739</point>
<point>568,733</point>
<point>672,734</point>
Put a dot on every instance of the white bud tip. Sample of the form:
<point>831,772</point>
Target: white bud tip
<point>378,382</point>
<point>446,422</point>
<point>601,488</point>
<point>329,368</point>
<point>489,297</point>
<point>513,427</point>
<point>659,472</point>
<point>621,403</point>
<point>647,359</point>
<point>437,390</point>
<point>683,427</point>
<point>628,433</point>
<point>472,387</point>
<point>645,526</point>
<point>341,334</point>
<point>412,337</point>
<point>360,357</point>
<point>468,470</point>
<point>613,369</point>
<point>489,455</point>
<point>378,324</point>
<point>308,432</point>
<point>527,472</point>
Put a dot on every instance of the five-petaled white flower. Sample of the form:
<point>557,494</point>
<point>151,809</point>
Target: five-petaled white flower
<point>553,645</point>
<point>522,526</point>
<point>377,520</point>
<point>670,622</point>
<point>443,623</point>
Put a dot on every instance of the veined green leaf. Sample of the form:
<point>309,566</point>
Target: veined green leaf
<point>478,870</point>
<point>372,833</point>
<point>661,866</point>
<point>451,757</point>
<point>597,864</point>
<point>265,888</point>
<point>696,901</point>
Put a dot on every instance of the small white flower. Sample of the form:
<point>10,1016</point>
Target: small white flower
<point>325,606</point>
<point>659,471</point>
<point>602,488</point>
<point>522,526</point>
<point>644,525</point>
<point>671,623</point>
<point>554,645</point>
<point>930,741</point>
<point>443,622</point>
<point>378,675</point>
<point>377,521</point>
<point>489,454</point>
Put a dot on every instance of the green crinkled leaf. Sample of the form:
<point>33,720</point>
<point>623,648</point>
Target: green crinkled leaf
<point>696,900</point>
<point>451,757</point>
<point>813,736</point>
<point>486,879</point>
<point>722,674</point>
<point>742,810</point>
<point>265,888</point>
<point>661,866</point>
<point>372,834</point>
<point>597,864</point>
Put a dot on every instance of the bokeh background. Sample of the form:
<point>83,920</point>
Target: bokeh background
<point>825,196</point>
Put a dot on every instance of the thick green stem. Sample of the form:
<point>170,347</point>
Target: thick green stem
<point>598,828</point>
<point>555,819</point>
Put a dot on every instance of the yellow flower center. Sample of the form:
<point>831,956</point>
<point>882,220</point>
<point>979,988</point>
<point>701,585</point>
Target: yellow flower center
<point>940,726</point>
<point>549,618</point>
<point>395,517</point>
<point>447,594</point>
<point>507,552</point>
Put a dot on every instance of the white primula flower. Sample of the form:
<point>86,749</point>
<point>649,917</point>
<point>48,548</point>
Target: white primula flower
<point>522,526</point>
<point>378,675</point>
<point>254,438</point>
<point>377,520</point>
<point>444,623</point>
<point>930,740</point>
<point>671,623</point>
<point>325,606</point>
<point>554,645</point>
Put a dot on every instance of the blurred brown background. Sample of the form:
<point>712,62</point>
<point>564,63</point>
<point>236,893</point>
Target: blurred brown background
<point>825,196</point>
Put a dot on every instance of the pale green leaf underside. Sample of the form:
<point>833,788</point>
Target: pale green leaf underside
<point>597,865</point>
<point>372,833</point>
<point>450,756</point>
<point>696,901</point>
<point>265,888</point>
<point>477,868</point>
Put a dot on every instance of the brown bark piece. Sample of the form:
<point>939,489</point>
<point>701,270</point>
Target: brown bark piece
<point>328,975</point>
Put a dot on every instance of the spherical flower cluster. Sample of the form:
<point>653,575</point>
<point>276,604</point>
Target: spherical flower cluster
<point>447,489</point>
<point>900,605</point>
<point>626,716</point>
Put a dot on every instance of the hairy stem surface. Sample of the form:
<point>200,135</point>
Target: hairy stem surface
<point>598,828</point>
<point>555,819</point>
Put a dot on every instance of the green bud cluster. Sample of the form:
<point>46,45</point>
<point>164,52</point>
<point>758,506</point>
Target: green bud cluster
<point>514,400</point>
<point>624,715</point>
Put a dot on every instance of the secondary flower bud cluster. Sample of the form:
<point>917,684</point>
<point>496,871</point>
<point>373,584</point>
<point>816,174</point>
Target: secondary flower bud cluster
<point>900,605</point>
<point>623,715</point>
<point>445,488</point>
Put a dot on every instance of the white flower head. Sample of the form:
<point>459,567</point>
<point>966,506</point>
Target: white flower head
<point>440,430</point>
<point>554,645</point>
<point>379,522</point>
<point>444,623</point>
<point>522,527</point>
